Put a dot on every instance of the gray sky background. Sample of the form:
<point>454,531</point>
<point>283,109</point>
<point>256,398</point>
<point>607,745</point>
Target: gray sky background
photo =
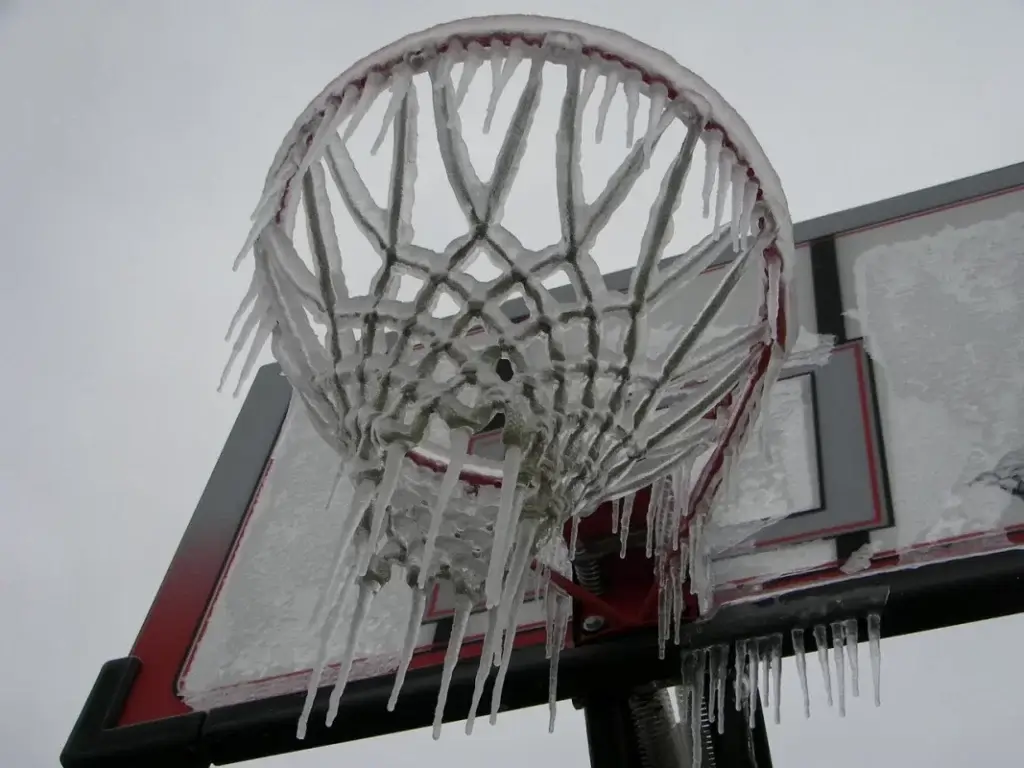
<point>134,142</point>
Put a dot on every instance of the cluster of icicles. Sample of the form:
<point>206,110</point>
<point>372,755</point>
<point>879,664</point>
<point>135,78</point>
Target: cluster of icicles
<point>675,541</point>
<point>757,668</point>
<point>498,642</point>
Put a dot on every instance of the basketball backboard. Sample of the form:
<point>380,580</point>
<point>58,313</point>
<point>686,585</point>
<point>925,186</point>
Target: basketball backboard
<point>884,482</point>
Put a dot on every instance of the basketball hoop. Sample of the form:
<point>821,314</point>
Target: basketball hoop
<point>594,409</point>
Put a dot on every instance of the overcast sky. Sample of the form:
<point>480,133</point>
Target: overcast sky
<point>134,140</point>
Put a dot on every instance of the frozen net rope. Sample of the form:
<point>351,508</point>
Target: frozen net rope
<point>592,411</point>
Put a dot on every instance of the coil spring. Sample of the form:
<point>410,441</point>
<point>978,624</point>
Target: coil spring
<point>588,573</point>
<point>657,735</point>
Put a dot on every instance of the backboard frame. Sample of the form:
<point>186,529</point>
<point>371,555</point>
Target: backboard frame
<point>133,716</point>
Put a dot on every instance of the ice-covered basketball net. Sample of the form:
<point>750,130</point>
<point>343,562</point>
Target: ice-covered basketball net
<point>592,406</point>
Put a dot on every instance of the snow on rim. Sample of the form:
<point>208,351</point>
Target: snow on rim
<point>655,65</point>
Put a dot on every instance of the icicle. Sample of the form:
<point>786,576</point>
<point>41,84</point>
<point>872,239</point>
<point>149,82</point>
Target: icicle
<point>631,87</point>
<point>680,480</point>
<point>741,663</point>
<point>700,577</point>
<point>590,76</point>
<point>412,633</point>
<point>563,611</point>
<point>250,297</point>
<point>719,678</point>
<point>611,84</point>
<point>676,570</point>
<point>837,647</point>
<point>800,655</point>
<point>483,669</point>
<point>463,609</point>
<point>538,579</point>
<point>684,693</point>
<point>698,699</point>
<point>714,661</point>
<point>515,580</point>
<point>627,514</point>
<point>440,75</point>
<point>712,150</point>
<point>739,185</point>
<point>508,511</point>
<point>327,129</point>
<point>659,97</point>
<point>545,585</point>
<point>350,532</point>
<point>515,55</point>
<point>459,449</point>
<point>254,320</point>
<point>393,461</point>
<point>371,89</point>
<point>766,669</point>
<point>474,58</point>
<point>775,651</point>
<point>749,199</point>
<point>850,632</point>
<point>752,647</point>
<point>664,606</point>
<point>659,495</point>
<point>259,340</point>
<point>729,479</point>
<point>497,58</point>
<point>774,284</point>
<point>650,526</point>
<point>327,629</point>
<point>401,82</point>
<point>510,608</point>
<point>550,620</point>
<point>616,512</point>
<point>875,650</point>
<point>726,158</point>
<point>368,588</point>
<point>821,642</point>
<point>553,689</point>
<point>574,537</point>
<point>258,226</point>
<point>264,213</point>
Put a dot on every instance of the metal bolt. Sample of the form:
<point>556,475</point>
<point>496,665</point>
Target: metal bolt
<point>593,624</point>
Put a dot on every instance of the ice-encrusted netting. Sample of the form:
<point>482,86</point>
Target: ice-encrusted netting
<point>589,408</point>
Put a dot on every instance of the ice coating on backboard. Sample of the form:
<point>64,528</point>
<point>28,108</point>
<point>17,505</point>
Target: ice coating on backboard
<point>942,312</point>
<point>934,301</point>
<point>262,626</point>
